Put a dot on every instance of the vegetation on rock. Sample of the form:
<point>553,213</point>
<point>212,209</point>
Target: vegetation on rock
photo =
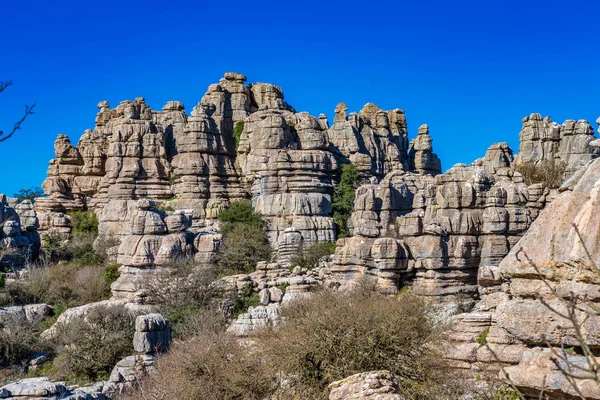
<point>29,194</point>
<point>309,256</point>
<point>550,173</point>
<point>343,199</point>
<point>244,239</point>
<point>237,132</point>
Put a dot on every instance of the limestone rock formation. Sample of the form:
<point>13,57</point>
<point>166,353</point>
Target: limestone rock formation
<point>375,385</point>
<point>435,232</point>
<point>541,139</point>
<point>285,161</point>
<point>19,239</point>
<point>554,263</point>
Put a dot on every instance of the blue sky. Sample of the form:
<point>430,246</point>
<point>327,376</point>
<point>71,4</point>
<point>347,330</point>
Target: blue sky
<point>469,69</point>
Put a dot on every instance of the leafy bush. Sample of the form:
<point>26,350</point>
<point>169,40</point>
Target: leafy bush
<point>84,223</point>
<point>2,281</point>
<point>29,194</point>
<point>237,132</point>
<point>309,257</point>
<point>244,239</point>
<point>89,348</point>
<point>343,199</point>
<point>550,173</point>
<point>240,213</point>
<point>241,302</point>
<point>111,273</point>
<point>242,247</point>
<point>19,340</point>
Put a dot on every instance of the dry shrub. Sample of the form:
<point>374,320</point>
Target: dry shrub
<point>19,340</point>
<point>180,290</point>
<point>89,348</point>
<point>66,284</point>
<point>330,336</point>
<point>550,173</point>
<point>210,366</point>
<point>324,338</point>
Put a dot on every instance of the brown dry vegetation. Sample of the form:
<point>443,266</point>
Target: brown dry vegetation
<point>550,173</point>
<point>325,338</point>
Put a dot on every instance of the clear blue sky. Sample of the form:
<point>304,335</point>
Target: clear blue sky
<point>470,69</point>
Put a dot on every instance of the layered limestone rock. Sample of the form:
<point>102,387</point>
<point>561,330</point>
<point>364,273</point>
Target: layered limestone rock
<point>435,232</point>
<point>514,328</point>
<point>375,141</point>
<point>155,239</point>
<point>543,140</point>
<point>375,385</point>
<point>19,239</point>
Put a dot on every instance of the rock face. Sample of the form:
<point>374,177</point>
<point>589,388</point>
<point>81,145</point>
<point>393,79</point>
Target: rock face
<point>544,140</point>
<point>19,239</point>
<point>376,385</point>
<point>240,142</point>
<point>556,260</point>
<point>435,232</point>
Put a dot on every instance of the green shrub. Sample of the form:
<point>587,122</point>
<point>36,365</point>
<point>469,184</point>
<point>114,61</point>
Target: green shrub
<point>29,194</point>
<point>240,212</point>
<point>343,199</point>
<point>242,247</point>
<point>482,337</point>
<point>89,349</point>
<point>2,281</point>
<point>111,273</point>
<point>237,132</point>
<point>84,223</point>
<point>241,301</point>
<point>309,257</point>
<point>244,239</point>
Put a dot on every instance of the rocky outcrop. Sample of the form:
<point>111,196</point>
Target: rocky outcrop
<point>541,139</point>
<point>514,328</point>
<point>435,232</point>
<point>376,385</point>
<point>285,161</point>
<point>44,389</point>
<point>19,239</point>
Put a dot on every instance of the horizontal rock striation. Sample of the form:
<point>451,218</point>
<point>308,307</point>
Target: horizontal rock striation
<point>541,139</point>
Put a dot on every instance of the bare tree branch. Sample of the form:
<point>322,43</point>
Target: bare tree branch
<point>17,126</point>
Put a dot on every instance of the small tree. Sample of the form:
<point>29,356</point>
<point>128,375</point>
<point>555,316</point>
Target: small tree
<point>28,111</point>
<point>29,194</point>
<point>309,256</point>
<point>244,239</point>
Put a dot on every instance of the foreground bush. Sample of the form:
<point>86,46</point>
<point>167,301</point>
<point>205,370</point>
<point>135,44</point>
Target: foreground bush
<point>324,338</point>
<point>89,349</point>
<point>209,366</point>
<point>19,340</point>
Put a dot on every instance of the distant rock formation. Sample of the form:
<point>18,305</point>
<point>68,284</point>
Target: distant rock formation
<point>544,140</point>
<point>286,162</point>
